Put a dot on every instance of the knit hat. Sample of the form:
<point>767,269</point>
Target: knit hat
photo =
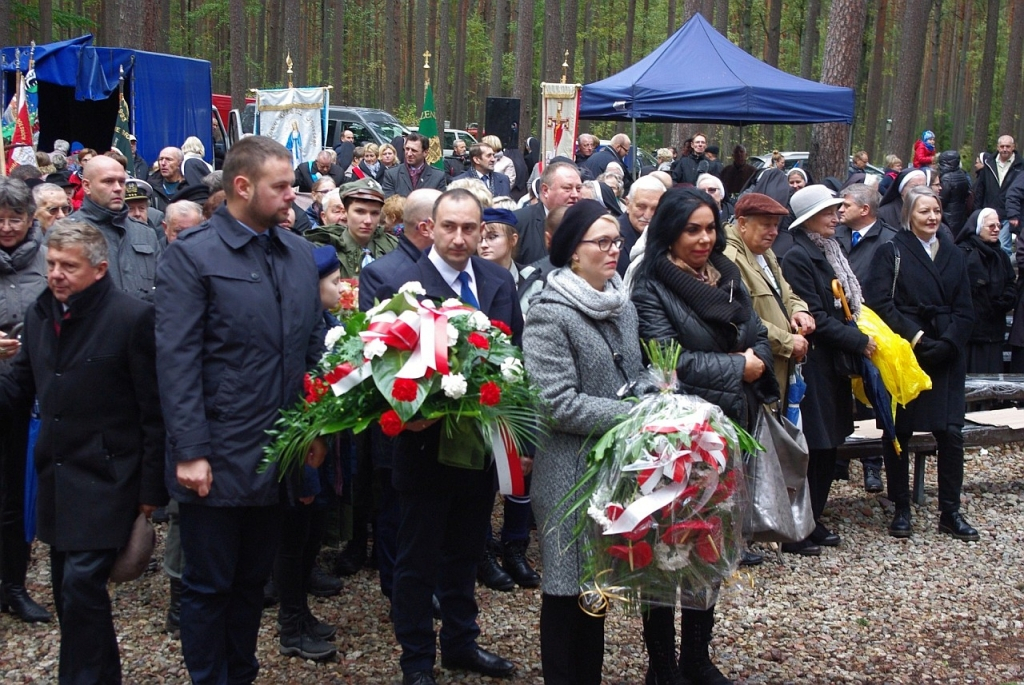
<point>810,200</point>
<point>326,258</point>
<point>577,221</point>
<point>494,215</point>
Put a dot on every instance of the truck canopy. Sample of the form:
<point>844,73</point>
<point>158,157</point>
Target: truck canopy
<point>169,97</point>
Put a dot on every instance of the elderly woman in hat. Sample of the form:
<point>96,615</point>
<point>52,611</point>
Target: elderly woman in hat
<point>811,265</point>
<point>688,291</point>
<point>927,300</point>
<point>582,349</point>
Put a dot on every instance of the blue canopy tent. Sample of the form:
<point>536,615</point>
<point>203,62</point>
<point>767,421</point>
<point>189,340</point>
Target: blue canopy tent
<point>169,97</point>
<point>697,75</point>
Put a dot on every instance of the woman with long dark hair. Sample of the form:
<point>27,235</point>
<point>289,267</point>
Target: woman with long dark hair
<point>688,291</point>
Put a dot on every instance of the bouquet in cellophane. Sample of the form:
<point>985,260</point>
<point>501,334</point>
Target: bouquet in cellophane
<point>406,360</point>
<point>666,506</point>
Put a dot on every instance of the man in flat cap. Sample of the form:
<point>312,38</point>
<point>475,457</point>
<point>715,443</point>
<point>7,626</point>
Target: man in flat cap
<point>361,238</point>
<point>784,314</point>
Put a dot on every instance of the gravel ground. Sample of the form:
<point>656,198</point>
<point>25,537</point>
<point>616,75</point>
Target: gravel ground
<point>874,610</point>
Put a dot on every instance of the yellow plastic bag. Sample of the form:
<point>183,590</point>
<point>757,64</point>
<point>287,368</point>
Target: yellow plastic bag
<point>902,375</point>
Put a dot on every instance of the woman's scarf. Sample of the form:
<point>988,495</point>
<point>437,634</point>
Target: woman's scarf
<point>724,306</point>
<point>596,304</point>
<point>837,260</point>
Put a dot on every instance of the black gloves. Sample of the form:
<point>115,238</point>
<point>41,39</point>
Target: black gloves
<point>933,353</point>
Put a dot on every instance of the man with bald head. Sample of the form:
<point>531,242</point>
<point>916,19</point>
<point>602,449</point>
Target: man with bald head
<point>308,173</point>
<point>133,246</point>
<point>615,153</point>
<point>167,180</point>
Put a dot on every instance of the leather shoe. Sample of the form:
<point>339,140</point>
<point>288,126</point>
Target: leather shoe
<point>480,661</point>
<point>953,523</point>
<point>15,599</point>
<point>322,584</point>
<point>824,537</point>
<point>491,574</point>
<point>900,526</point>
<point>804,548</point>
<point>751,558</point>
<point>514,563</point>
<point>419,678</point>
<point>872,479</point>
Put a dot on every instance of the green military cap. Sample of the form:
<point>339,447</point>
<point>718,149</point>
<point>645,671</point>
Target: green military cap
<point>363,189</point>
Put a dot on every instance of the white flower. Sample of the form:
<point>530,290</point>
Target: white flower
<point>452,302</point>
<point>672,559</point>
<point>374,348</point>
<point>479,321</point>
<point>333,336</point>
<point>454,385</point>
<point>512,370</point>
<point>453,334</point>
<point>413,287</point>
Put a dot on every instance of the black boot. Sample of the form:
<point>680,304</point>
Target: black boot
<point>513,560</point>
<point>694,660</point>
<point>297,639</point>
<point>953,523</point>
<point>490,573</point>
<point>660,640</point>
<point>873,478</point>
<point>15,599</point>
<point>173,624</point>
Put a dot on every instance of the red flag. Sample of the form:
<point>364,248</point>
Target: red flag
<point>22,150</point>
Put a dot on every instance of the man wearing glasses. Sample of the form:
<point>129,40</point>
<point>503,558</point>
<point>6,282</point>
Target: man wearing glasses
<point>614,153</point>
<point>51,204</point>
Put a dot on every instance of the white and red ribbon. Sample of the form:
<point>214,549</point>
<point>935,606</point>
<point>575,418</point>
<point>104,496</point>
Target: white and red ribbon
<point>506,461</point>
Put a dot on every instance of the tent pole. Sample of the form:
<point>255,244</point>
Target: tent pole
<point>636,157</point>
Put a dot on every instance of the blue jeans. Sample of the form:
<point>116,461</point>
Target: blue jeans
<point>1006,238</point>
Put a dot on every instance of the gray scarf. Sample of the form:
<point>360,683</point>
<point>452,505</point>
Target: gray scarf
<point>596,304</point>
<point>837,260</point>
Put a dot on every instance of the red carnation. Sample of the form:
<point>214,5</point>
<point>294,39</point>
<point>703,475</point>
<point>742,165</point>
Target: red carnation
<point>479,341</point>
<point>490,394</point>
<point>339,372</point>
<point>501,326</point>
<point>391,423</point>
<point>404,390</point>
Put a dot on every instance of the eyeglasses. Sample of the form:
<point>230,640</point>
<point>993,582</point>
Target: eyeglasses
<point>53,211</point>
<point>12,223</point>
<point>605,244</point>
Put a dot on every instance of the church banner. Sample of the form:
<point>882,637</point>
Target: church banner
<point>294,117</point>
<point>560,105</point>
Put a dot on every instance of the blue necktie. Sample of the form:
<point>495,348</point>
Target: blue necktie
<point>854,238</point>
<point>466,292</point>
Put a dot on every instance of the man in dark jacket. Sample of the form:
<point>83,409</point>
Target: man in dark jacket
<point>133,247</point>
<point>238,324</point>
<point>995,177</point>
<point>615,153</point>
<point>89,358</point>
<point>560,186</point>
<point>736,175</point>
<point>481,167</point>
<point>414,172</point>
<point>308,173</point>
<point>860,235</point>
<point>644,196</point>
<point>688,167</point>
<point>167,180</point>
<point>444,509</point>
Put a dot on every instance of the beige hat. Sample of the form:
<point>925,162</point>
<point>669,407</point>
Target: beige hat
<point>810,200</point>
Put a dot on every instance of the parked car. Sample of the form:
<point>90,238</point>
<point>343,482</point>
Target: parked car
<point>794,159</point>
<point>367,125</point>
<point>450,136</point>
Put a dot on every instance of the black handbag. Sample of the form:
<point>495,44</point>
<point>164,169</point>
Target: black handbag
<point>780,498</point>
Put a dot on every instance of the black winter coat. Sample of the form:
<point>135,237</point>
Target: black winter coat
<point>992,288</point>
<point>709,366</point>
<point>100,450</point>
<point>956,191</point>
<point>934,297</point>
<point>828,405</point>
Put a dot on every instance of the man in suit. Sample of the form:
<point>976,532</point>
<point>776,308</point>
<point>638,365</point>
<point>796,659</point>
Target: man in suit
<point>644,196</point>
<point>860,234</point>
<point>482,159</point>
<point>308,173</point>
<point>615,153</point>
<point>560,186</point>
<point>414,173</point>
<point>89,357</point>
<point>444,510</point>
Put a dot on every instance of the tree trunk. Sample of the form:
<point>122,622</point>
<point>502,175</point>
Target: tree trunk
<point>290,41</point>
<point>874,94</point>
<point>1009,121</point>
<point>237,26</point>
<point>554,49</point>
<point>569,27</point>
<point>746,32</point>
<point>392,53</point>
<point>523,86</point>
<point>627,47</point>
<point>666,129</point>
<point>908,80</point>
<point>959,95</point>
<point>986,76</point>
<point>840,66</point>
<point>498,47</point>
<point>458,99</point>
<point>340,94</point>
<point>45,22</point>
<point>722,17</point>
<point>590,44</point>
<point>444,60</point>
<point>771,54</point>
<point>931,85</point>
<point>5,25</point>
<point>808,51</point>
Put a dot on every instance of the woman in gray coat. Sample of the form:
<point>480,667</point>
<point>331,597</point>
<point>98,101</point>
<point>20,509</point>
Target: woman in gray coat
<point>582,350</point>
<point>22,280</point>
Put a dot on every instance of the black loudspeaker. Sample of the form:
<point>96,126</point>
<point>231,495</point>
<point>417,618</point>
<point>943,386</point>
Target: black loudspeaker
<point>503,121</point>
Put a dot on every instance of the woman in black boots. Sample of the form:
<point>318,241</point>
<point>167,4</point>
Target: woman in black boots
<point>687,290</point>
<point>22,280</point>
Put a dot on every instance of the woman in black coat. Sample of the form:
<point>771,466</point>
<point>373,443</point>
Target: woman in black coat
<point>814,262</point>
<point>927,301</point>
<point>992,290</point>
<point>687,290</point>
<point>955,193</point>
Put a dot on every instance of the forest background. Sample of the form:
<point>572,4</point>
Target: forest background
<point>951,66</point>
